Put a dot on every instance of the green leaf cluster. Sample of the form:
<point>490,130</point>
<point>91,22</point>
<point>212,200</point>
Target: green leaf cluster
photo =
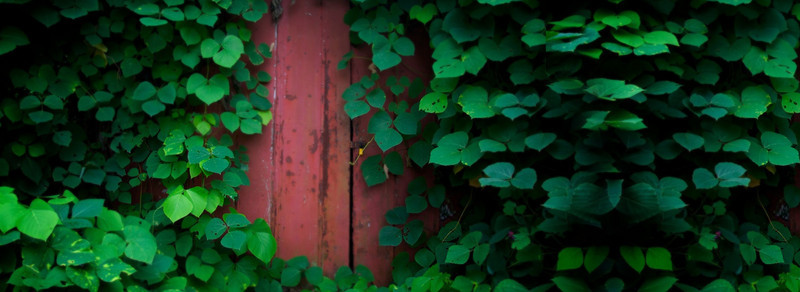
<point>123,98</point>
<point>597,145</point>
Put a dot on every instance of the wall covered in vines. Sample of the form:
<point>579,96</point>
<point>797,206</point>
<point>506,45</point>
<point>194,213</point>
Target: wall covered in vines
<point>105,104</point>
<point>593,145</point>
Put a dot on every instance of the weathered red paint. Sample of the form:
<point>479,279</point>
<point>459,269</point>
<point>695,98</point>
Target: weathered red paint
<point>299,169</point>
<point>300,173</point>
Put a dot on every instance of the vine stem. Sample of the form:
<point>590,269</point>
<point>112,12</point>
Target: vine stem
<point>361,150</point>
<point>459,218</point>
<point>771,224</point>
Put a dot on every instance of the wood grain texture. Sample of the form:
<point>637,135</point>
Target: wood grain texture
<point>301,179</point>
<point>299,167</point>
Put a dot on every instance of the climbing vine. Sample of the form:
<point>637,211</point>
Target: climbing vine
<point>593,145</point>
<point>119,120</point>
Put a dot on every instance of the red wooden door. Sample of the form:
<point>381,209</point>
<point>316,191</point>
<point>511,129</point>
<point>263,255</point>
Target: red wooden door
<point>299,168</point>
<point>302,182</point>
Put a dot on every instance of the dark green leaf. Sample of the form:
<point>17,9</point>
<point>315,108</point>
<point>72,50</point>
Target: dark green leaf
<point>390,236</point>
<point>634,257</point>
<point>457,254</point>
<point>569,258</point>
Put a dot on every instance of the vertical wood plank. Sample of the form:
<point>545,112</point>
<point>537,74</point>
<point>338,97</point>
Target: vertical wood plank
<point>299,166</point>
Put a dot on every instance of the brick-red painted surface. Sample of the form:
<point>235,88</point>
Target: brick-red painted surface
<point>301,179</point>
<point>299,169</point>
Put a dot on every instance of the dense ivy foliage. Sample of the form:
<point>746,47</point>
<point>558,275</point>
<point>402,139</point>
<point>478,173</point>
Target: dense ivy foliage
<point>106,101</point>
<point>593,145</point>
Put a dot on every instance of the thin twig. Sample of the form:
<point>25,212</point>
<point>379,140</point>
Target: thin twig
<point>758,197</point>
<point>459,218</point>
<point>361,150</point>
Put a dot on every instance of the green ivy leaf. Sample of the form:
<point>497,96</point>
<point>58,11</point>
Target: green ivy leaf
<point>208,48</point>
<point>754,102</point>
<point>177,206</point>
<point>755,60</point>
<point>771,254</point>
<point>235,220</point>
<point>262,245</point>
<point>413,231</point>
<point>113,268</point>
<point>250,126</point>
<point>659,258</point>
<point>173,14</point>
<point>661,37</point>
<point>212,90</point>
<point>423,14</point>
<point>232,49</point>
<point>385,60</point>
<point>720,285</point>
<point>569,284</point>
<point>215,228</point>
<point>394,162</point>
<point>397,216</point>
<point>87,208</point>
<point>150,21</point>
<point>662,87</point>
<point>141,244</point>
<point>448,68</point>
<point>633,256</point>
<point>41,116</point>
<point>595,256</point>
<point>625,120</point>
<point>748,253</point>
<point>780,68</point>
<point>611,89</point>
<point>474,101</point>
<point>416,204</point>
<point>569,258</point>
<point>779,149</point>
<point>704,179</point>
<point>144,91</point>
<point>388,138</point>
<point>474,60</point>
<point>10,38</point>
<point>372,171</point>
<point>314,275</point>
<point>153,107</point>
<point>230,121</point>
<point>791,194</point>
<point>403,46</point>
<point>235,240</point>
<point>290,277</point>
<point>539,141</point>
<point>424,257</point>
<point>167,94</point>
<point>480,253</point>
<point>660,284</point>
<point>38,221</point>
<point>390,236</point>
<point>356,108</point>
<point>215,165</point>
<point>524,179</point>
<point>376,98</point>
<point>433,102</point>
<point>457,254</point>
<point>689,141</point>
